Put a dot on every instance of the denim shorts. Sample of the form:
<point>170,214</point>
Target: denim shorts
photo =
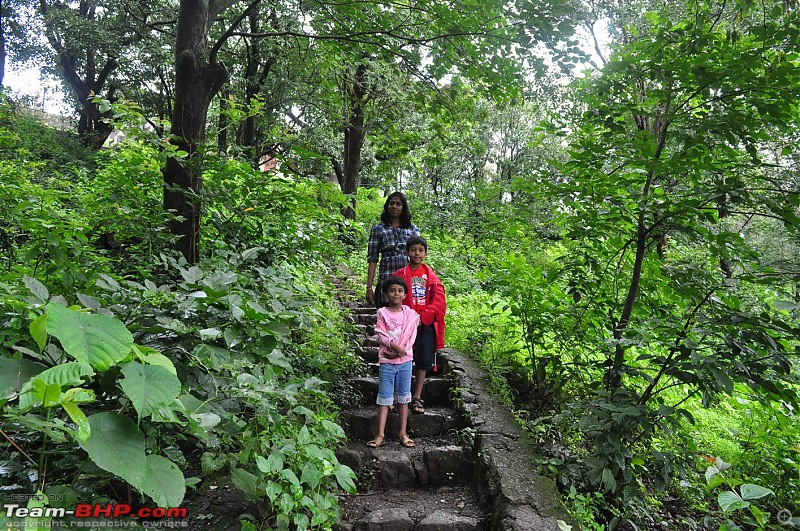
<point>424,347</point>
<point>394,384</point>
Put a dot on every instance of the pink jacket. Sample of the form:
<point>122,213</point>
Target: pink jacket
<point>408,334</point>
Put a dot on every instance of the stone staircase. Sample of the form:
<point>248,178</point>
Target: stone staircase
<point>430,487</point>
<point>471,469</point>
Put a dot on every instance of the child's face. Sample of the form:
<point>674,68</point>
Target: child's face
<point>395,294</point>
<point>416,254</point>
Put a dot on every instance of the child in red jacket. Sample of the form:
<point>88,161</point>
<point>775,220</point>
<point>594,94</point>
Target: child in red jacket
<point>426,297</point>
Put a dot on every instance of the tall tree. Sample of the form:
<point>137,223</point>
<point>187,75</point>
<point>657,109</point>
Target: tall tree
<point>672,145</point>
<point>4,12</point>
<point>478,38</point>
<point>79,42</point>
<point>198,78</point>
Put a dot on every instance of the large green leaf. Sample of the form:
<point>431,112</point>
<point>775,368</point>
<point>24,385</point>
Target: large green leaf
<point>36,392</point>
<point>729,501</point>
<point>754,492</point>
<point>38,330</point>
<point>345,478</point>
<point>66,374</point>
<point>149,386</point>
<point>163,482</point>
<point>153,357</point>
<point>79,418</point>
<point>15,373</point>
<point>38,289</point>
<point>99,340</point>
<point>246,482</point>
<point>117,446</point>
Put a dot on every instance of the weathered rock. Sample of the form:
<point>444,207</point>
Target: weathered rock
<point>524,518</point>
<point>385,520</point>
<point>449,464</point>
<point>395,471</point>
<point>351,458</point>
<point>447,521</point>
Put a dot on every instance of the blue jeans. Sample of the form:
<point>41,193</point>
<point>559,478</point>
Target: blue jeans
<point>394,384</point>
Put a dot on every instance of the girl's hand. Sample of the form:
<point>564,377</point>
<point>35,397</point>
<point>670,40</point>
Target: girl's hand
<point>400,351</point>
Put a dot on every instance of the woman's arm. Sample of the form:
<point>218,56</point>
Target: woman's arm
<point>373,256</point>
<point>370,280</point>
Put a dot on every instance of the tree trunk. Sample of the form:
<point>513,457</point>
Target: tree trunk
<point>196,83</point>
<point>223,121</point>
<point>354,138</point>
<point>3,53</point>
<point>252,88</point>
<point>92,129</point>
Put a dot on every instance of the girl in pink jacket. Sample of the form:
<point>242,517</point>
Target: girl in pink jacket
<point>397,330</point>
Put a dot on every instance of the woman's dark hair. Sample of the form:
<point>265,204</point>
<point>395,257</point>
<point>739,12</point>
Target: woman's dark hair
<point>405,215</point>
<point>392,281</point>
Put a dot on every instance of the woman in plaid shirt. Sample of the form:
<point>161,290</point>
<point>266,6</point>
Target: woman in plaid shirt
<point>387,244</point>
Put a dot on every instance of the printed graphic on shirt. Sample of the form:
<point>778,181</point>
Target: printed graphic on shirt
<point>394,325</point>
<point>419,290</point>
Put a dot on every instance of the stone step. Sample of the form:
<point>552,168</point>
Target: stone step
<point>362,423</point>
<point>371,358</point>
<point>365,329</point>
<point>440,509</point>
<point>371,341</point>
<point>364,318</point>
<point>360,308</point>
<point>436,391</point>
<point>433,462</point>
<point>368,354</point>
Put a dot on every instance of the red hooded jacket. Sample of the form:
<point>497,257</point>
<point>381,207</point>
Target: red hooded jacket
<point>432,308</point>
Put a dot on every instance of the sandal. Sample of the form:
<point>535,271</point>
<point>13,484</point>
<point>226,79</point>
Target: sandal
<point>417,406</point>
<point>377,442</point>
<point>406,441</point>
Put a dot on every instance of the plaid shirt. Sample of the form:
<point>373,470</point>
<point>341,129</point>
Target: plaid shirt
<point>388,245</point>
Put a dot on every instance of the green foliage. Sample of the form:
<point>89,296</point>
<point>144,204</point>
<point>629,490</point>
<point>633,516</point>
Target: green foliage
<point>539,309</point>
<point>229,356</point>
<point>476,326</point>
<point>37,407</point>
<point>616,269</point>
<point>584,508</point>
<point>738,497</point>
<point>664,174</point>
<point>285,215</point>
<point>123,204</point>
<point>758,439</point>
